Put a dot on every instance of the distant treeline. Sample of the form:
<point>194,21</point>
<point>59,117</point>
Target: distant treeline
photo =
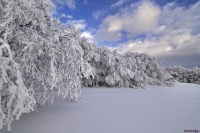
<point>185,75</point>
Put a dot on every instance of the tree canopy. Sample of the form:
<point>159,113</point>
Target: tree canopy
<point>40,57</point>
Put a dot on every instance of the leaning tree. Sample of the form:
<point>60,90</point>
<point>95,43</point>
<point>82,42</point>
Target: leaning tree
<point>40,57</point>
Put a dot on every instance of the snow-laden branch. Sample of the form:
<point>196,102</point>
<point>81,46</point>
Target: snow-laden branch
<point>40,58</point>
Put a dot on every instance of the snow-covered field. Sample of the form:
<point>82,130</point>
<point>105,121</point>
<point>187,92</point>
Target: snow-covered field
<point>151,110</point>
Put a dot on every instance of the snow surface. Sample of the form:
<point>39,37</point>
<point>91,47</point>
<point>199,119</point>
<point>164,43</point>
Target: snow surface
<point>151,110</point>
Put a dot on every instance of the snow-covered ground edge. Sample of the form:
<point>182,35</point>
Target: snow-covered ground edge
<point>118,110</point>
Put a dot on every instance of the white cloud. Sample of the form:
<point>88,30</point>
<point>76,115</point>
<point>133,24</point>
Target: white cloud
<point>135,20</point>
<point>78,24</point>
<point>70,3</point>
<point>69,16</point>
<point>110,29</point>
<point>85,2</point>
<point>88,34</point>
<point>176,38</point>
<point>118,3</point>
<point>98,13</point>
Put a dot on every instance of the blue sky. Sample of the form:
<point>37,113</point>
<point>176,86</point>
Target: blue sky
<point>166,29</point>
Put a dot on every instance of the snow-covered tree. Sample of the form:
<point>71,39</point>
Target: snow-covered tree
<point>15,99</point>
<point>40,57</point>
<point>185,75</point>
<point>112,69</point>
<point>14,96</point>
<point>138,70</point>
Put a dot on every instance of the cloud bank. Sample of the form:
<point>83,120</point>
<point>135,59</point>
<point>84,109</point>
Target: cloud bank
<point>170,33</point>
<point>134,20</point>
